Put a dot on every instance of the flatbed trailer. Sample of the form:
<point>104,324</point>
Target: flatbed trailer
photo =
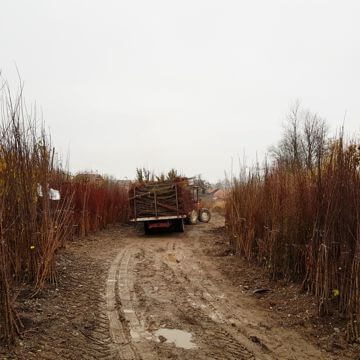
<point>162,222</point>
<point>165,204</point>
<point>155,218</point>
<point>160,205</point>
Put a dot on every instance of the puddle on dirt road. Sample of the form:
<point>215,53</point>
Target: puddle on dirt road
<point>171,257</point>
<point>180,338</point>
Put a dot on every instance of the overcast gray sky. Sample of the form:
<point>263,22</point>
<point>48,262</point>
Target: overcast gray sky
<point>184,84</point>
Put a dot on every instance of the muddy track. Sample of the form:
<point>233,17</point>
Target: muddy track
<point>165,281</point>
<point>123,295</point>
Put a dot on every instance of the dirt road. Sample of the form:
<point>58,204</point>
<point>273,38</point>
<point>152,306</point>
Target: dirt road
<point>166,282</point>
<point>122,295</point>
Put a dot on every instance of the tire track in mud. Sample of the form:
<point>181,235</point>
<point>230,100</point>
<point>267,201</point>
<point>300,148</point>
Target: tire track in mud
<point>122,346</point>
<point>207,308</point>
<point>126,330</point>
<point>83,331</point>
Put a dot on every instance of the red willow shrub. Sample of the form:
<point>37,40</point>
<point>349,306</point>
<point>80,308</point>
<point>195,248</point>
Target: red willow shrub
<point>304,225</point>
<point>30,226</point>
<point>96,202</point>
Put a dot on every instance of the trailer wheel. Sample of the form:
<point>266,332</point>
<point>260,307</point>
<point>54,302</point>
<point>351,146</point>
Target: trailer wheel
<point>147,231</point>
<point>193,217</point>
<point>179,225</point>
<point>204,215</point>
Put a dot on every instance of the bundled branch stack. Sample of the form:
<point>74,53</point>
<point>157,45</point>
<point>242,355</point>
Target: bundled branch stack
<point>160,198</point>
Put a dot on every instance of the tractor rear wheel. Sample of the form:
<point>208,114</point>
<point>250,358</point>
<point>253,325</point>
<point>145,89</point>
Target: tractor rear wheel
<point>204,215</point>
<point>147,230</point>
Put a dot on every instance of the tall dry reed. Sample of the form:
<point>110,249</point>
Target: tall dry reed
<point>303,224</point>
<point>96,202</point>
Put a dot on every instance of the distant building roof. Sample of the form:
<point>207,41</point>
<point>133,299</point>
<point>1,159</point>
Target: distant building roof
<point>219,194</point>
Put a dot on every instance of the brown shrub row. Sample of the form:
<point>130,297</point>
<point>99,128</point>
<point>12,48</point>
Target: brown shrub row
<point>32,225</point>
<point>304,225</point>
<point>95,204</point>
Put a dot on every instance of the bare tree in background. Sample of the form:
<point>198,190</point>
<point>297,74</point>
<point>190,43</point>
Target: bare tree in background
<point>289,147</point>
<point>303,140</point>
<point>313,138</point>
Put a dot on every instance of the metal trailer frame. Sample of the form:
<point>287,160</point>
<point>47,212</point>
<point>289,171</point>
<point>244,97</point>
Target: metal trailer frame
<point>157,217</point>
<point>136,219</point>
<point>154,218</point>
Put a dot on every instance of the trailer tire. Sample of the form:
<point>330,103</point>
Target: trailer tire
<point>179,226</point>
<point>147,231</point>
<point>204,215</point>
<point>193,217</point>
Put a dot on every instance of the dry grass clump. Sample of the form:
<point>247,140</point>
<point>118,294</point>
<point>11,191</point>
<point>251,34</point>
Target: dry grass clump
<point>303,223</point>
